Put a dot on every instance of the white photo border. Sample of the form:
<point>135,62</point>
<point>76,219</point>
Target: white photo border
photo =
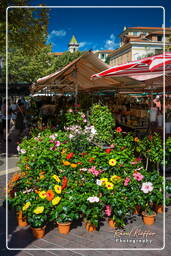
<point>84,249</point>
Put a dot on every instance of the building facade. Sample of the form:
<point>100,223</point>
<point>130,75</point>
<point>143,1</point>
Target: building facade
<point>103,54</point>
<point>139,42</point>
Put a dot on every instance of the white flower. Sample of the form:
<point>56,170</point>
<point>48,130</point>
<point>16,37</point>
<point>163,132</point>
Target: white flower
<point>53,137</point>
<point>99,182</point>
<point>70,136</point>
<point>18,148</point>
<point>147,187</point>
<point>23,151</point>
<point>93,130</point>
<point>83,169</point>
<point>93,199</point>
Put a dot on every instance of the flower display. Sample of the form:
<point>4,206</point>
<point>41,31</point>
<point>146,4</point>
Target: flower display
<point>126,181</point>
<point>112,162</point>
<point>94,171</point>
<point>138,176</point>
<point>136,139</point>
<point>115,178</point>
<point>26,206</point>
<point>109,185</point>
<point>98,182</point>
<point>104,181</point>
<point>58,189</point>
<point>66,163</point>
<point>23,151</point>
<point>42,194</point>
<point>73,165</point>
<point>49,195</point>
<point>108,210</point>
<point>108,150</point>
<point>56,200</point>
<point>93,199</point>
<point>70,155</point>
<point>56,178</point>
<point>147,187</point>
<point>118,129</point>
<point>39,209</point>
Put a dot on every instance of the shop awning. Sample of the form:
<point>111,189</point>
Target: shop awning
<point>141,70</point>
<point>76,76</point>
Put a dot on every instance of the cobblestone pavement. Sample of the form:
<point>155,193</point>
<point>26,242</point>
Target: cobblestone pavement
<point>81,239</point>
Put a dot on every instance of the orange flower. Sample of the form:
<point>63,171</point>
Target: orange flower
<point>27,167</point>
<point>42,176</point>
<point>66,163</point>
<point>136,139</point>
<point>49,195</point>
<point>73,165</point>
<point>15,177</point>
<point>42,172</point>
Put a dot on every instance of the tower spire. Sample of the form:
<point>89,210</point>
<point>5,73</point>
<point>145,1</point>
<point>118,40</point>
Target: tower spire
<point>73,45</point>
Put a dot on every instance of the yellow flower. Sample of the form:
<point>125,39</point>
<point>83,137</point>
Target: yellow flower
<point>39,210</point>
<point>104,180</point>
<point>56,178</point>
<point>56,200</point>
<point>26,206</point>
<point>109,185</point>
<point>42,194</point>
<point>58,189</point>
<point>73,165</point>
<point>112,162</point>
<point>115,178</point>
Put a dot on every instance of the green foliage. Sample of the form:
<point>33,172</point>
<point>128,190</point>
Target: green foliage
<point>27,27</point>
<point>101,118</point>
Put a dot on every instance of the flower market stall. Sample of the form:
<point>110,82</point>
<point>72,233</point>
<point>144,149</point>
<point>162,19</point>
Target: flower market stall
<point>87,170</point>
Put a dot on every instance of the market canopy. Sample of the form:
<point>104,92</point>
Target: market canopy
<point>76,76</point>
<point>146,69</point>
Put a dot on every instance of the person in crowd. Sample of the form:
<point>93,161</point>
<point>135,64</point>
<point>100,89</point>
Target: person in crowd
<point>19,124</point>
<point>13,109</point>
<point>6,130</point>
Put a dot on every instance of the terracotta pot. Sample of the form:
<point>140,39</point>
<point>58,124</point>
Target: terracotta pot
<point>21,221</point>
<point>159,208</point>
<point>148,219</point>
<point>112,223</point>
<point>137,209</point>
<point>38,232</point>
<point>90,227</point>
<point>64,228</point>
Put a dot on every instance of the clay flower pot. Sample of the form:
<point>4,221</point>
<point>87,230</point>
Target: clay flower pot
<point>90,227</point>
<point>137,209</point>
<point>112,223</point>
<point>159,208</point>
<point>148,219</point>
<point>21,221</point>
<point>64,228</point>
<point>38,232</point>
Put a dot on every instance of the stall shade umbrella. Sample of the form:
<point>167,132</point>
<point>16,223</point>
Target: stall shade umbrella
<point>143,69</point>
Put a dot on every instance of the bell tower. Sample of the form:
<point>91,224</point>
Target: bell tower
<point>73,45</point>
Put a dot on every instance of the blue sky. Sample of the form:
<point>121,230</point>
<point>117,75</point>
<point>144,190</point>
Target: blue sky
<point>99,28</point>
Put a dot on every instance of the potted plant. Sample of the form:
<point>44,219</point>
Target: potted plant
<point>64,214</point>
<point>37,218</point>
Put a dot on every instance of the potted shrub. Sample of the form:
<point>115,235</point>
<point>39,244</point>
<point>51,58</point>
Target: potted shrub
<point>64,214</point>
<point>37,218</point>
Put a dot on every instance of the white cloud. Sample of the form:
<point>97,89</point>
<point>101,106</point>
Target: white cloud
<point>110,43</point>
<point>56,33</point>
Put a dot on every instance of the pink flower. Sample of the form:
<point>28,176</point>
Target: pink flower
<point>126,181</point>
<point>134,163</point>
<point>83,115</point>
<point>108,210</point>
<point>94,171</point>
<point>36,138</point>
<point>57,143</point>
<point>147,187</point>
<point>138,176</point>
<point>70,110</point>
<point>51,141</point>
<point>112,145</point>
<point>138,159</point>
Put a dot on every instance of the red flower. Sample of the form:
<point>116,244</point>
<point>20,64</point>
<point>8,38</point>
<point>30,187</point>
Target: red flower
<point>108,150</point>
<point>83,154</point>
<point>150,137</point>
<point>79,163</point>
<point>69,155</point>
<point>119,129</point>
<point>64,182</point>
<point>91,159</point>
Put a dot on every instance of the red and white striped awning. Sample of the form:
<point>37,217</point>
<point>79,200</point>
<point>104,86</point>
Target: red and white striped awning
<point>146,68</point>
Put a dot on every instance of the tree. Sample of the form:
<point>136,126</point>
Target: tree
<point>27,27</point>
